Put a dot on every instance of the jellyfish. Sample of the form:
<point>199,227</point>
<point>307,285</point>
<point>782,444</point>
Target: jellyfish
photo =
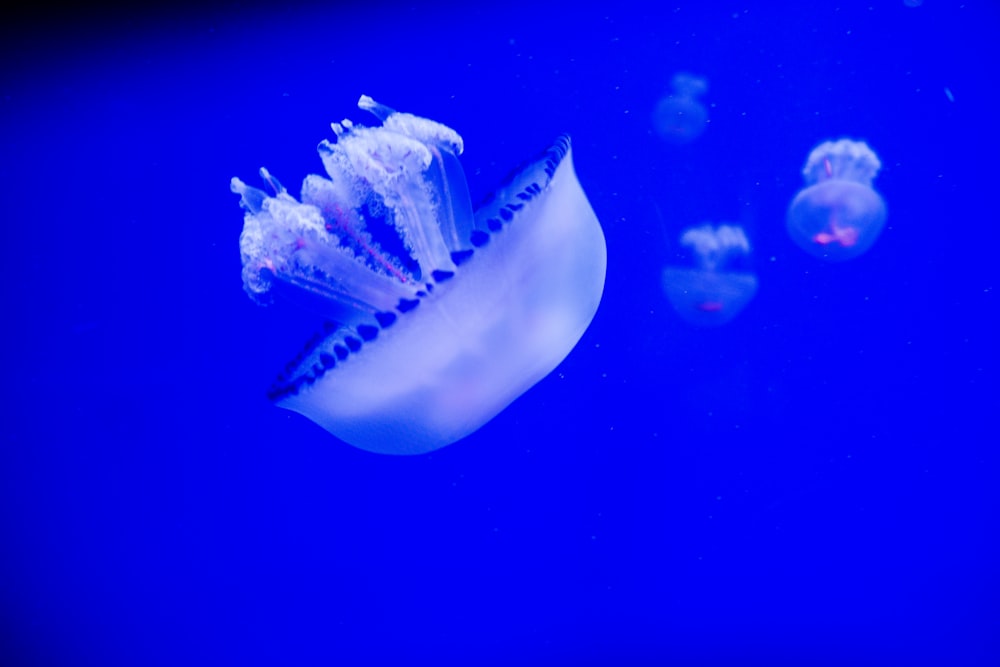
<point>435,317</point>
<point>720,284</point>
<point>679,118</point>
<point>838,215</point>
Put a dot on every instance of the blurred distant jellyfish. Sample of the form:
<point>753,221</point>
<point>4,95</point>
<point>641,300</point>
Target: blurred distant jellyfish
<point>838,216</point>
<point>679,118</point>
<point>720,284</point>
<point>437,316</point>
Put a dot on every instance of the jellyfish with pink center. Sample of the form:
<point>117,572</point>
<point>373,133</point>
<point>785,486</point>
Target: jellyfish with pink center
<point>719,283</point>
<point>838,216</point>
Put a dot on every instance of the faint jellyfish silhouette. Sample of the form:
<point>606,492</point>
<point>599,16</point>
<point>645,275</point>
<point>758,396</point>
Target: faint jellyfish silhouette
<point>838,216</point>
<point>720,285</point>
<point>679,118</point>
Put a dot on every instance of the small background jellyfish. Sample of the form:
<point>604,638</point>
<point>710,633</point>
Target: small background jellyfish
<point>838,216</point>
<point>720,285</point>
<point>679,118</point>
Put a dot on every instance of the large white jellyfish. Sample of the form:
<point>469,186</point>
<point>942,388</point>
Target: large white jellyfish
<point>438,317</point>
<point>838,216</point>
<point>720,284</point>
<point>680,118</point>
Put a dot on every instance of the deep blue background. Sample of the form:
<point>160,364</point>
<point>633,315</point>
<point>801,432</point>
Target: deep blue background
<point>813,484</point>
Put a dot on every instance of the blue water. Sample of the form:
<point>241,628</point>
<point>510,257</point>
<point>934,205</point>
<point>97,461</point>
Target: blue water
<point>811,484</point>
